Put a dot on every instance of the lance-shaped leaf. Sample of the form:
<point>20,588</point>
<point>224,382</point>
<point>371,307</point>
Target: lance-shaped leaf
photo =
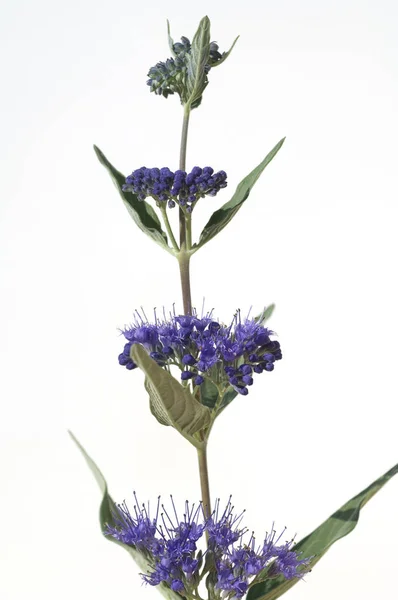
<point>266,314</point>
<point>142,212</point>
<point>229,395</point>
<point>106,517</point>
<point>170,402</point>
<point>317,543</point>
<point>209,395</point>
<point>170,39</point>
<point>196,63</point>
<point>224,56</point>
<point>223,215</point>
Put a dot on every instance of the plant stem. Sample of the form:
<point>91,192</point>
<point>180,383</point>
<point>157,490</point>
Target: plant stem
<point>204,480</point>
<point>169,229</point>
<point>183,261</point>
<point>188,232</point>
<point>184,137</point>
<point>183,157</point>
<point>185,225</point>
<point>184,256</point>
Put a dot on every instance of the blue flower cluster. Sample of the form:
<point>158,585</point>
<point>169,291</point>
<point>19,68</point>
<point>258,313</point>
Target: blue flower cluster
<point>179,187</point>
<point>170,546</point>
<point>167,78</point>
<point>236,566</point>
<point>202,347</point>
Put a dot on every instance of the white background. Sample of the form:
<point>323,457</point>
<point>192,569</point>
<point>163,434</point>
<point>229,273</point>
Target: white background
<point>318,236</point>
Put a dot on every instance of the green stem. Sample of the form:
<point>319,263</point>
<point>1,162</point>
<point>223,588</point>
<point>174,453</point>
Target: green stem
<point>183,261</point>
<point>184,137</point>
<point>188,232</point>
<point>204,481</point>
<point>184,256</point>
<point>183,157</point>
<point>185,225</point>
<point>169,229</point>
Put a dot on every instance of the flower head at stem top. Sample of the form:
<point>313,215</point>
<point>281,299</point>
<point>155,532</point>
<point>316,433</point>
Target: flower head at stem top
<point>170,77</point>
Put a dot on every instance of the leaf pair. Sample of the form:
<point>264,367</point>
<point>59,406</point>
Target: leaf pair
<point>147,220</point>
<point>316,544</point>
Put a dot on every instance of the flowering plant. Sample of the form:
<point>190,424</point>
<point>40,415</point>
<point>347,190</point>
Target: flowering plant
<point>195,365</point>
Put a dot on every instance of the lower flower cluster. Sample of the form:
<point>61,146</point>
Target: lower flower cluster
<point>179,187</point>
<point>169,544</point>
<point>202,347</point>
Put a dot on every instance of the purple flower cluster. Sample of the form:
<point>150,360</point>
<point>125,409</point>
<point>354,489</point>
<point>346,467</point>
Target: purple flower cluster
<point>138,530</point>
<point>170,546</point>
<point>202,347</point>
<point>167,78</point>
<point>237,566</point>
<point>179,187</point>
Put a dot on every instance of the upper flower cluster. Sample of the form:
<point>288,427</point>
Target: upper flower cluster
<point>202,347</point>
<point>184,188</point>
<point>170,546</point>
<point>167,78</point>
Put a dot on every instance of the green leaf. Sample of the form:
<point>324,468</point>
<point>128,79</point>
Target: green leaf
<point>171,41</point>
<point>106,516</point>
<point>229,395</point>
<point>223,57</point>
<point>208,393</point>
<point>223,215</point>
<point>317,543</point>
<point>266,314</point>
<point>170,402</point>
<point>196,63</point>
<point>142,212</point>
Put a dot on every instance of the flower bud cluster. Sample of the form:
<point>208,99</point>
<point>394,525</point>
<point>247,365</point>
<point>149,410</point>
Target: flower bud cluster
<point>202,347</point>
<point>179,187</point>
<point>169,77</point>
<point>170,547</point>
